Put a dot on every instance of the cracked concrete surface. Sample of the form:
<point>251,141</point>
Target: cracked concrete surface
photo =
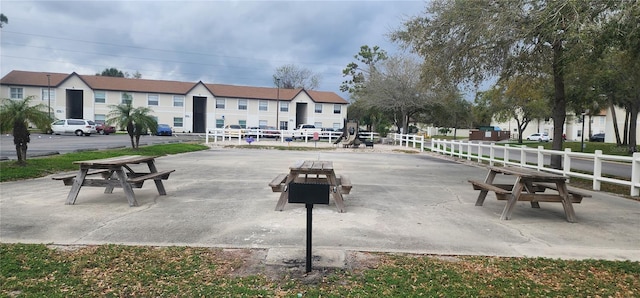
<point>415,203</point>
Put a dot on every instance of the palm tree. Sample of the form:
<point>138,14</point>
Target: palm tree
<point>135,120</point>
<point>15,115</point>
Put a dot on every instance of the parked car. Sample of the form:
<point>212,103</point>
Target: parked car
<point>599,137</point>
<point>540,137</point>
<point>104,129</point>
<point>164,130</point>
<point>78,127</point>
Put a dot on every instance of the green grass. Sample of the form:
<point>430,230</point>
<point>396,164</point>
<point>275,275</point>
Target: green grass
<point>42,166</point>
<point>590,147</point>
<point>35,270</point>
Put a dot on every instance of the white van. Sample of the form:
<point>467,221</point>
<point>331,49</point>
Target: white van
<point>78,127</point>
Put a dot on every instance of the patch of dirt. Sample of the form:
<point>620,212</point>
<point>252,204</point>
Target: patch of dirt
<point>252,262</point>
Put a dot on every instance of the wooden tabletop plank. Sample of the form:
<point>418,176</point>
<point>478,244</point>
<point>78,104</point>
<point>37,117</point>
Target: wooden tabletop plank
<point>119,160</point>
<point>527,173</point>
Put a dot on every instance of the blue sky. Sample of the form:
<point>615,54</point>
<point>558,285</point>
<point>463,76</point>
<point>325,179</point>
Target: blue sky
<point>228,42</point>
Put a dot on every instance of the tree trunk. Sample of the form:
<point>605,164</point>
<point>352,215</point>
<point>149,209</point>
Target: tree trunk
<point>635,107</point>
<point>20,140</point>
<point>559,104</point>
<point>625,136</point>
<point>614,119</point>
<point>137,141</point>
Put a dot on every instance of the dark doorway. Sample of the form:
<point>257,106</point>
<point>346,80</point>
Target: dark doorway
<point>75,104</point>
<point>199,114</point>
<point>301,113</point>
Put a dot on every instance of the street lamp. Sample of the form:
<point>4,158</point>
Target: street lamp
<point>278,105</point>
<point>49,95</point>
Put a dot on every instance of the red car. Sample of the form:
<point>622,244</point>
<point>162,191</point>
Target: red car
<point>104,129</point>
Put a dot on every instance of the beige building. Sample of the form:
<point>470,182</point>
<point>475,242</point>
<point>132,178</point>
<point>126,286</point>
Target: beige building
<point>186,106</point>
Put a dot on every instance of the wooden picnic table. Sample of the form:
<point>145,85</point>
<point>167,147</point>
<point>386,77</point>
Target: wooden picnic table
<point>529,185</point>
<point>312,171</point>
<point>111,173</point>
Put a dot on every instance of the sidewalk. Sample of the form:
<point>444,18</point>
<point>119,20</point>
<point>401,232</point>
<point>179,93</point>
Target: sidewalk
<point>400,202</point>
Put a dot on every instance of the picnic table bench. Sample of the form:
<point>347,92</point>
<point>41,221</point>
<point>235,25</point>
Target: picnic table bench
<point>111,172</point>
<point>312,172</point>
<point>529,185</point>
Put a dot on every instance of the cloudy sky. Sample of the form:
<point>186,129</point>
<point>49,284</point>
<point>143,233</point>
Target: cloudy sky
<point>229,42</point>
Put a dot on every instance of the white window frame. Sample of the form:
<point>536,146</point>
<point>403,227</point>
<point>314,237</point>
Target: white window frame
<point>150,100</point>
<point>317,124</point>
<point>96,98</point>
<point>16,92</point>
<point>122,98</point>
<point>337,109</point>
<point>178,101</point>
<point>46,96</point>
<point>242,104</point>
<point>284,106</point>
<point>318,108</point>
<point>263,106</point>
<point>100,118</point>
<point>220,103</point>
<point>178,121</point>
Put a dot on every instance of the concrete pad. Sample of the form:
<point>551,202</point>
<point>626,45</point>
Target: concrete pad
<point>413,203</point>
<point>297,257</point>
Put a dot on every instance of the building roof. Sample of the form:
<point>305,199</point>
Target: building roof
<point>44,79</point>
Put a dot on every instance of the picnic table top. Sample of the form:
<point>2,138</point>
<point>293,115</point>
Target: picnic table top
<point>527,173</point>
<point>312,165</point>
<point>118,160</point>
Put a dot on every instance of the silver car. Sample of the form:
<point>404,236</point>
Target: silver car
<point>78,127</point>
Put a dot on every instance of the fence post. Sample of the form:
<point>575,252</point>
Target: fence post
<point>422,144</point>
<point>540,162</point>
<point>566,162</point>
<point>635,174</point>
<point>597,169</point>
<point>469,150</point>
<point>506,154</point>
<point>492,153</point>
<point>523,156</point>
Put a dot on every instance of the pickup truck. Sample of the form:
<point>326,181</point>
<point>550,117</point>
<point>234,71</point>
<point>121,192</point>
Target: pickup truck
<point>305,130</point>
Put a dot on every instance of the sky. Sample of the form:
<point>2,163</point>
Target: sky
<point>226,42</point>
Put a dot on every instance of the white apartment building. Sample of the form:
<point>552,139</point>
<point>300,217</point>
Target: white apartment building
<point>186,106</point>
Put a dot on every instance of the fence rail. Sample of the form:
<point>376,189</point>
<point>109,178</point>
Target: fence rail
<point>241,135</point>
<point>519,156</point>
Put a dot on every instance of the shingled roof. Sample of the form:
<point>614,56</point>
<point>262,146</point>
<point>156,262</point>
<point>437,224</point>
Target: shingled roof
<point>39,79</point>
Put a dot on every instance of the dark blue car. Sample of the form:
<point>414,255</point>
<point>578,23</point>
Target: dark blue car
<point>164,130</point>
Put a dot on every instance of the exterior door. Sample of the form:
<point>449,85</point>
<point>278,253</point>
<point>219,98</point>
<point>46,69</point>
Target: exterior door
<point>74,104</point>
<point>199,114</point>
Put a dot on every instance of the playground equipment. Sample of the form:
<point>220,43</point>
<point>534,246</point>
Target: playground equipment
<point>350,136</point>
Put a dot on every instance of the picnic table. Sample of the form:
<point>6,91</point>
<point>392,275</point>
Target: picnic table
<point>110,173</point>
<point>312,171</point>
<point>529,185</point>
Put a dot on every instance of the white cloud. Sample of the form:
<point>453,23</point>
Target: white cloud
<point>232,42</point>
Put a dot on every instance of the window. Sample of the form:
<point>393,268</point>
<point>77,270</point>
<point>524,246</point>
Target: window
<point>100,97</point>
<point>263,105</point>
<point>177,121</point>
<point>318,108</point>
<point>152,99</point>
<point>242,123</point>
<point>178,101</point>
<point>242,104</point>
<point>284,107</point>
<point>219,103</point>
<point>16,93</point>
<point>284,125</point>
<point>100,118</point>
<point>337,109</point>
<point>318,124</point>
<point>51,94</point>
<point>219,123</point>
<point>262,123</point>
<point>336,126</point>
<point>126,98</point>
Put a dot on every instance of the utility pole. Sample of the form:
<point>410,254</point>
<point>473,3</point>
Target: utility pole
<point>278,105</point>
<point>49,95</point>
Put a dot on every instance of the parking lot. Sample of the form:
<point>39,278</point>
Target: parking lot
<point>45,144</point>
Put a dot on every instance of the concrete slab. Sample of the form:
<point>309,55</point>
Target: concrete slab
<point>414,203</point>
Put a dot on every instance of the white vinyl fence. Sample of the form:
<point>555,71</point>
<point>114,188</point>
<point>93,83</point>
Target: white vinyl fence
<point>522,156</point>
<point>241,135</point>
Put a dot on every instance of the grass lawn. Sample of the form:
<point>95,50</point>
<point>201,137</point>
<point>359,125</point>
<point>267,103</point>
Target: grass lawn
<point>115,270</point>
